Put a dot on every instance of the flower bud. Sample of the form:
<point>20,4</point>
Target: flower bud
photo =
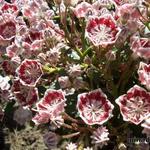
<point>70,2</point>
<point>67,2</point>
<point>87,60</point>
<point>111,55</point>
<point>74,71</point>
<point>64,82</point>
<point>58,2</point>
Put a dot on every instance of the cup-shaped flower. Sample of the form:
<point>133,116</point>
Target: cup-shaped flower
<point>10,8</point>
<point>135,105</point>
<point>94,107</point>
<point>29,72</point>
<point>7,30</point>
<point>51,106</point>
<point>25,95</point>
<point>41,118</point>
<point>144,74</point>
<point>141,46</point>
<point>102,31</point>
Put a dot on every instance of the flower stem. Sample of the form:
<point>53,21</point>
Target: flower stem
<point>70,135</point>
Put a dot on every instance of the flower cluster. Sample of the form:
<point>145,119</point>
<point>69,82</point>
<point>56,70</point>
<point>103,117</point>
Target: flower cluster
<point>76,65</point>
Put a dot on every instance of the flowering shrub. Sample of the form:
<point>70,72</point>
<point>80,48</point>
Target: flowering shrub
<point>78,71</point>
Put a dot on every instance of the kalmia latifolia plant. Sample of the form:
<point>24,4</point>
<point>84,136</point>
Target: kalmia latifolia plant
<point>77,72</point>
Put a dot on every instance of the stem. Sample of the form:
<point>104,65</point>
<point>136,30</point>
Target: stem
<point>68,126</point>
<point>71,42</point>
<point>124,74</point>
<point>70,135</point>
<point>87,51</point>
<point>83,35</point>
<point>66,116</point>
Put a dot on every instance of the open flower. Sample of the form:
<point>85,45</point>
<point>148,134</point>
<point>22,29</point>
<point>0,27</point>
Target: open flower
<point>51,106</point>
<point>140,46</point>
<point>82,9</point>
<point>7,30</point>
<point>94,108</point>
<point>8,27</point>
<point>100,136</point>
<point>25,95</point>
<point>102,31</point>
<point>41,118</point>
<point>29,72</point>
<point>135,105</point>
<point>144,74</point>
<point>9,8</point>
<point>74,70</point>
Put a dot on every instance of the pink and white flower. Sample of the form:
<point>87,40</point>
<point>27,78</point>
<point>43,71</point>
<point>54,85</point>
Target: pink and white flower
<point>141,46</point>
<point>12,50</point>
<point>10,8</point>
<point>135,105</point>
<point>75,70</point>
<point>57,122</point>
<point>82,9</point>
<point>128,12</point>
<point>25,95</point>
<point>51,106</point>
<point>53,56</point>
<point>64,82</point>
<point>121,2</point>
<point>7,27</point>
<point>94,107</point>
<point>103,3</point>
<point>102,31</point>
<point>4,85</point>
<point>41,118</point>
<point>144,74</point>
<point>29,72</point>
<point>9,67</point>
<point>100,136</point>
